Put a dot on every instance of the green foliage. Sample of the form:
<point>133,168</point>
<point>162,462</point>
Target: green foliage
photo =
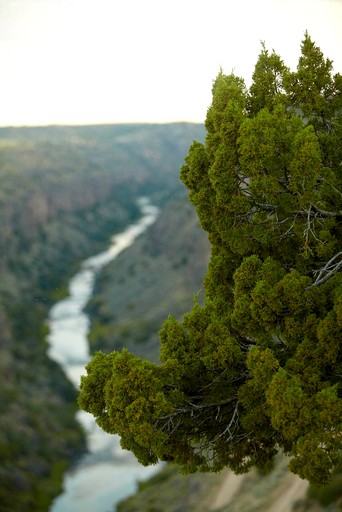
<point>329,493</point>
<point>257,369</point>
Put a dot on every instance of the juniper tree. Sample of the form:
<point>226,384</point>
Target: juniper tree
<point>257,369</point>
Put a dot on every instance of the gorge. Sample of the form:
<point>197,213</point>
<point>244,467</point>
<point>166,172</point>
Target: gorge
<point>105,474</point>
<point>63,192</point>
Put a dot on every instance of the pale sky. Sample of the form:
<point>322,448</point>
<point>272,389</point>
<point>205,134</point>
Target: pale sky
<point>118,61</point>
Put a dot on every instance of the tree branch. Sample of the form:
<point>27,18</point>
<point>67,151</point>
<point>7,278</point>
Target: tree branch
<point>329,269</point>
<point>267,206</point>
<point>194,407</point>
<point>326,213</point>
<point>232,423</point>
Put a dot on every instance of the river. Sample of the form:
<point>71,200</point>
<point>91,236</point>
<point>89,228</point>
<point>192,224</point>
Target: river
<point>106,474</point>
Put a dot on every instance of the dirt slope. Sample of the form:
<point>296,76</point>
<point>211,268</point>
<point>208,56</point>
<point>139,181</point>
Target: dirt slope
<point>293,489</point>
<point>230,487</point>
<point>275,492</point>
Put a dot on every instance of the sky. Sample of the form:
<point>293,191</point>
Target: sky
<point>122,61</point>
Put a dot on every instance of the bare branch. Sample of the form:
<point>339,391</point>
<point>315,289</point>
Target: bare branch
<point>232,423</point>
<point>171,422</point>
<point>329,269</point>
<point>193,407</point>
<point>326,213</point>
<point>267,206</point>
<point>289,229</point>
<point>311,226</point>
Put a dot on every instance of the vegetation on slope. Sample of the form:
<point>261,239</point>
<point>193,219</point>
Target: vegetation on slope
<point>63,192</point>
<point>169,491</point>
<point>162,271</point>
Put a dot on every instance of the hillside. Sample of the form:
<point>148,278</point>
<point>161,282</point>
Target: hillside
<point>63,192</point>
<point>278,491</point>
<point>157,276</point>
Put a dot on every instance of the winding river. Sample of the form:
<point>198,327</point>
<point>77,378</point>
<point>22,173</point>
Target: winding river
<point>106,474</point>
